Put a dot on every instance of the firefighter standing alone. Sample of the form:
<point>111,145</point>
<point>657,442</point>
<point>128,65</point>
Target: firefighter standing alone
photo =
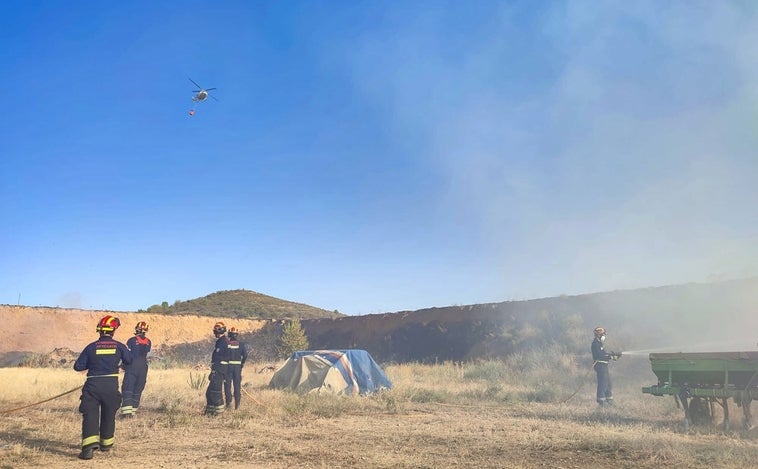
<point>135,374</point>
<point>237,358</point>
<point>601,359</point>
<point>214,396</point>
<point>100,398</point>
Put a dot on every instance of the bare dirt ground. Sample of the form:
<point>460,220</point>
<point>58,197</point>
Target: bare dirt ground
<point>40,330</point>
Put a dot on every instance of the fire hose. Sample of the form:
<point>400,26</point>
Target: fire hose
<point>251,397</point>
<point>8,411</point>
<point>614,356</point>
<point>580,385</point>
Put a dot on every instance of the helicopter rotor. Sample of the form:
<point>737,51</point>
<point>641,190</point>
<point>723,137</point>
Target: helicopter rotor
<point>202,94</point>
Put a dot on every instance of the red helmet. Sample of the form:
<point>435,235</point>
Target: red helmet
<point>141,327</point>
<point>108,324</point>
<point>219,328</point>
<point>233,332</point>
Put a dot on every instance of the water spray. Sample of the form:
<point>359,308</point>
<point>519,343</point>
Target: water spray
<point>636,352</point>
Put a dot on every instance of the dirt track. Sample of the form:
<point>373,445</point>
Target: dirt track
<point>41,330</point>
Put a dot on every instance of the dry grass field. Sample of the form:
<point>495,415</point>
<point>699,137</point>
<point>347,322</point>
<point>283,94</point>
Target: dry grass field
<point>490,414</point>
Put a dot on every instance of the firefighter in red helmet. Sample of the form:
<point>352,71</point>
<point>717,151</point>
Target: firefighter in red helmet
<point>237,358</point>
<point>100,398</point>
<point>135,375</point>
<point>214,396</point>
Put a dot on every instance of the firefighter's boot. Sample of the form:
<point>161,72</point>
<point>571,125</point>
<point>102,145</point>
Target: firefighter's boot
<point>87,453</point>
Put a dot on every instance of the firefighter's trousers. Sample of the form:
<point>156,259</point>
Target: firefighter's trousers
<point>214,396</point>
<point>99,403</point>
<point>604,387</point>
<point>135,378</point>
<point>233,377</point>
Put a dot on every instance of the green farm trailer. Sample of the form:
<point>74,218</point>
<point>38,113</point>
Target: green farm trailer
<point>705,379</point>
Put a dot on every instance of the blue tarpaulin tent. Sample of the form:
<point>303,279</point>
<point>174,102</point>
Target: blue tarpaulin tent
<point>331,371</point>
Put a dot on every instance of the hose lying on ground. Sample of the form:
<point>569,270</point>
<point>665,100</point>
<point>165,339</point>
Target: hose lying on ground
<point>8,411</point>
<point>251,397</point>
<point>581,384</point>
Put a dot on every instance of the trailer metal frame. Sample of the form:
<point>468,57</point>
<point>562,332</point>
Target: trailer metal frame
<point>701,380</point>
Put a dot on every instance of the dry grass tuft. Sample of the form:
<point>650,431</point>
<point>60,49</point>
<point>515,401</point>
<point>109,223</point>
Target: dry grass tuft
<point>490,414</point>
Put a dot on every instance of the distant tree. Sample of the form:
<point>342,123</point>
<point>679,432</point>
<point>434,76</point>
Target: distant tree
<point>159,309</point>
<point>293,339</point>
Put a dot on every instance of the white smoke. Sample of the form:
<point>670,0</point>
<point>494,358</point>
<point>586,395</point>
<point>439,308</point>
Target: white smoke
<point>632,165</point>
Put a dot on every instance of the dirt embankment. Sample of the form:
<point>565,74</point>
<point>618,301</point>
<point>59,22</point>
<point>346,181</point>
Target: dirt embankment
<point>41,329</point>
<point>650,318</point>
<point>642,319</point>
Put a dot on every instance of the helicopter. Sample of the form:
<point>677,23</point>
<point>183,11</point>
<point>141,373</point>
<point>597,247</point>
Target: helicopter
<point>200,96</point>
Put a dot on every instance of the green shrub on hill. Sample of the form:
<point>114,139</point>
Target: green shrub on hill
<point>242,304</point>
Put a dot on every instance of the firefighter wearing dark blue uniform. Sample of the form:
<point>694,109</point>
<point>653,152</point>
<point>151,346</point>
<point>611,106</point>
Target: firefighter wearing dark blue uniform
<point>100,396</point>
<point>135,375</point>
<point>237,358</point>
<point>601,359</point>
<point>214,396</point>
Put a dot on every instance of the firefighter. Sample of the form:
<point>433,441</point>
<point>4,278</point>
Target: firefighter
<point>237,358</point>
<point>135,375</point>
<point>601,359</point>
<point>214,396</point>
<point>100,398</point>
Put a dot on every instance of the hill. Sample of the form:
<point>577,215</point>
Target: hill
<point>717,316</point>
<point>692,317</point>
<point>242,304</point>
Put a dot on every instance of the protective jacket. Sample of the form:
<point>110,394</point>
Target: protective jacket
<point>140,346</point>
<point>103,357</point>
<point>237,352</point>
<point>100,398</point>
<point>599,355</point>
<point>220,355</point>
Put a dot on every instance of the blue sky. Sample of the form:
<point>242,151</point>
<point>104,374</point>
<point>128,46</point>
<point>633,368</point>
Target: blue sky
<point>374,156</point>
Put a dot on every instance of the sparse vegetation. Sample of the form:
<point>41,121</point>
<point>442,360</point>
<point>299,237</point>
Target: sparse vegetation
<point>197,379</point>
<point>242,304</point>
<point>487,414</point>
